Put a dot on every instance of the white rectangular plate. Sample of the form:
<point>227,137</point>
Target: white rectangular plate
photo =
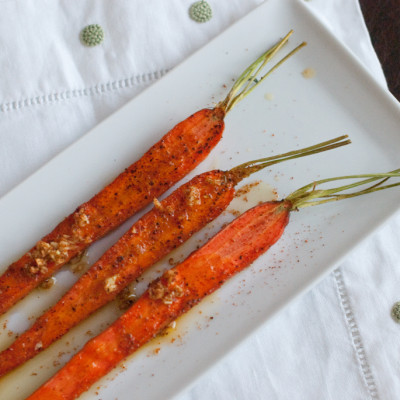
<point>286,112</point>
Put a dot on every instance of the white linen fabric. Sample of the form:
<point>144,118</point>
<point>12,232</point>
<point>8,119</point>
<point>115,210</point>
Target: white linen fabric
<point>336,342</point>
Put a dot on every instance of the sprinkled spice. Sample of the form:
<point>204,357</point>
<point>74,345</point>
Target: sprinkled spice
<point>92,35</point>
<point>246,188</point>
<point>200,11</point>
<point>396,312</point>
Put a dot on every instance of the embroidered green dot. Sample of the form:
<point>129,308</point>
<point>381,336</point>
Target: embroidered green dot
<point>396,312</point>
<point>92,35</point>
<point>200,11</point>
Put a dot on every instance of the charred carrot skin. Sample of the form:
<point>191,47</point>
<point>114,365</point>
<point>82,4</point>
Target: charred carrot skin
<point>204,271</point>
<point>165,227</point>
<point>164,164</point>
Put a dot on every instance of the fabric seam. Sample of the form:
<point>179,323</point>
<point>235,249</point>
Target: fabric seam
<point>94,90</point>
<point>355,335</point>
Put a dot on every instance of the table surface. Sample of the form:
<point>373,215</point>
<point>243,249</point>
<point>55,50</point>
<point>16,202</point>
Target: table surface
<point>383,21</point>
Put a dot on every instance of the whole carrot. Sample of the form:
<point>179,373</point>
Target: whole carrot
<point>164,164</point>
<point>171,222</point>
<point>180,288</point>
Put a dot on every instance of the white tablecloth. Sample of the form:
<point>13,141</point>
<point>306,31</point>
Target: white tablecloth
<point>336,342</point>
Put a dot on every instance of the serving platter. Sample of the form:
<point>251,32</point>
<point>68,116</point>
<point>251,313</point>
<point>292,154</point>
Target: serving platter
<point>291,109</point>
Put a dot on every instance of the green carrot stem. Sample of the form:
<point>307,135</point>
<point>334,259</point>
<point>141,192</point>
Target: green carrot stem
<point>346,196</point>
<point>248,168</point>
<point>307,189</point>
<point>308,195</point>
<point>248,80</point>
<point>250,77</point>
<point>244,93</point>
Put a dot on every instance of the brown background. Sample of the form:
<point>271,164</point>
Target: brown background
<point>383,21</point>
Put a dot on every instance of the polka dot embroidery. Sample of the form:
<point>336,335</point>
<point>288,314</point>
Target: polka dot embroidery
<point>200,11</point>
<point>396,312</point>
<point>92,35</point>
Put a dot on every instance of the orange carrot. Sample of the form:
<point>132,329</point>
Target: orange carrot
<point>164,164</point>
<point>171,222</point>
<point>182,287</point>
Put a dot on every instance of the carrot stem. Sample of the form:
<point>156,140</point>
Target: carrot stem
<point>248,80</point>
<point>308,195</point>
<point>248,168</point>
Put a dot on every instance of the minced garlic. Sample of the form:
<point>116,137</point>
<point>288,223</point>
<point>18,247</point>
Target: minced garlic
<point>193,196</point>
<point>110,284</point>
<point>81,218</point>
<point>157,290</point>
<point>46,252</point>
<point>157,204</point>
<point>166,292</point>
<point>38,346</point>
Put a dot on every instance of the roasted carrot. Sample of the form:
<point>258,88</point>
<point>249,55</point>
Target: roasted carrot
<point>164,164</point>
<point>172,221</point>
<point>180,288</point>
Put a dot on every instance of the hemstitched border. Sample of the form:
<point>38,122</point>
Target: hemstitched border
<point>355,335</point>
<point>88,91</point>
